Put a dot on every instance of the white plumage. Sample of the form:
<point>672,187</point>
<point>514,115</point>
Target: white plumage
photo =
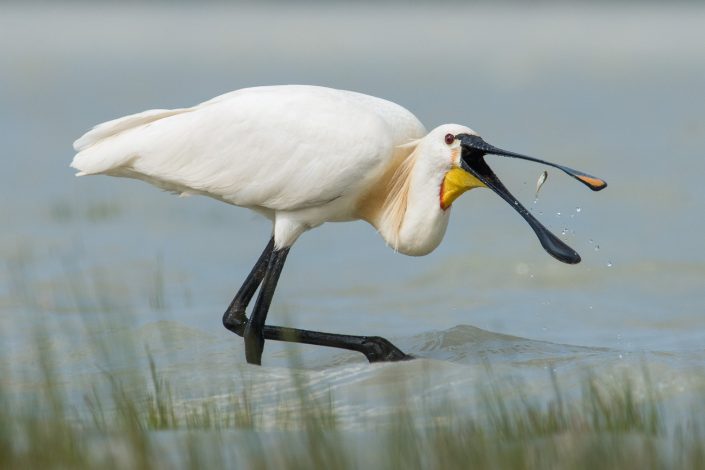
<point>300,155</point>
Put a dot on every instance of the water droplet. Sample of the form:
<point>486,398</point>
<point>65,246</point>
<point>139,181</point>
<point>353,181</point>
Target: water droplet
<point>578,209</point>
<point>558,214</point>
<point>536,200</point>
<point>609,264</point>
<point>597,247</point>
<point>564,231</point>
<point>590,307</point>
<point>590,241</point>
<point>516,203</point>
<point>540,212</point>
<point>620,356</point>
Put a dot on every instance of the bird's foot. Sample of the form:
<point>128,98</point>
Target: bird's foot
<point>378,349</point>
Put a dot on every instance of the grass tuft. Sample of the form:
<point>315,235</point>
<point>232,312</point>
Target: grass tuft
<point>128,421</point>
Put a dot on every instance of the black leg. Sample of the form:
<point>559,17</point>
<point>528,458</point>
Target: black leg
<point>266,272</point>
<point>375,348</point>
<point>254,337</point>
<point>234,318</point>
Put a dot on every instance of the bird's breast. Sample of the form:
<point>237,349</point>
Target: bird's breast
<point>372,200</point>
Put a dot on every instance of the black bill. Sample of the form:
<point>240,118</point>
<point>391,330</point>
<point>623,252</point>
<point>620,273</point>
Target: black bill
<point>473,161</point>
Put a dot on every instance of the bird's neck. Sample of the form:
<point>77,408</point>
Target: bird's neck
<point>408,212</point>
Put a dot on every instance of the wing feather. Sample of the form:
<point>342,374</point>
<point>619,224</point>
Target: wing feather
<point>278,148</point>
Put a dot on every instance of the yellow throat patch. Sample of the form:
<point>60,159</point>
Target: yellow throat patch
<point>455,183</point>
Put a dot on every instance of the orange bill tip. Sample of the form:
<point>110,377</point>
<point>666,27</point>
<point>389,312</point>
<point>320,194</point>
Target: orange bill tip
<point>595,184</point>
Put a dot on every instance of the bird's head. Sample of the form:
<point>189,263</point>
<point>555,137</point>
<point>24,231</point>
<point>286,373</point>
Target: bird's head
<point>467,169</point>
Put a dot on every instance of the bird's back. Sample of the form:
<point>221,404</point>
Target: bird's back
<point>276,148</point>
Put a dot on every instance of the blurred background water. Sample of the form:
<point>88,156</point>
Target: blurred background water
<point>614,90</point>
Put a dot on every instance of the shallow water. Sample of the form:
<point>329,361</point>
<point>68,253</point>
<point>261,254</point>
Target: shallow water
<point>615,91</point>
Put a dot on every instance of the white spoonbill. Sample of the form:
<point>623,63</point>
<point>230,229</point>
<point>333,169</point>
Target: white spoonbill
<point>302,156</point>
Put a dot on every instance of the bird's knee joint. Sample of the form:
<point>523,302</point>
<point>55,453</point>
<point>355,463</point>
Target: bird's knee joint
<point>235,322</point>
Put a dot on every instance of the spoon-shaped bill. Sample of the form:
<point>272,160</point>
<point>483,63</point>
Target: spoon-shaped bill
<point>474,142</point>
<point>551,243</point>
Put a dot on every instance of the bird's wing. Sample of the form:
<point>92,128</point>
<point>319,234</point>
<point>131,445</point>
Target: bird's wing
<point>279,148</point>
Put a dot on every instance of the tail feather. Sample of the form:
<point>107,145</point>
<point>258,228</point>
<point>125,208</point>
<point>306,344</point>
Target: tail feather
<point>116,126</point>
<point>93,158</point>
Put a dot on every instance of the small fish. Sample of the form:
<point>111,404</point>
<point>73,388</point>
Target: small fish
<point>540,182</point>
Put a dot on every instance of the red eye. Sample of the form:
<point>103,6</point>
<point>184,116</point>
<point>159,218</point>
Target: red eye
<point>449,138</point>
